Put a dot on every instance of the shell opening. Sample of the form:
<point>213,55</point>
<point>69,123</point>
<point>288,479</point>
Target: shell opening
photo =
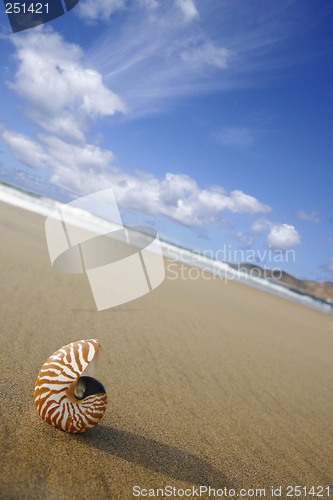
<point>88,386</point>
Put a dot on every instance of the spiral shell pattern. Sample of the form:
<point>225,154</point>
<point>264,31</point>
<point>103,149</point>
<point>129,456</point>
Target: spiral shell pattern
<point>62,378</point>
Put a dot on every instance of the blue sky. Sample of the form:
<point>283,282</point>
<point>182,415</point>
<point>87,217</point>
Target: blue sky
<point>211,120</point>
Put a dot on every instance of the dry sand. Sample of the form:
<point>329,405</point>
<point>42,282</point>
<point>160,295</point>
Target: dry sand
<point>208,383</point>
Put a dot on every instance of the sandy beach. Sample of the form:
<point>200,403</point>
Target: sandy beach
<point>209,384</point>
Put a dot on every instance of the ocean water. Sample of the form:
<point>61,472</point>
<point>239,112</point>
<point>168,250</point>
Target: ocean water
<point>207,267</point>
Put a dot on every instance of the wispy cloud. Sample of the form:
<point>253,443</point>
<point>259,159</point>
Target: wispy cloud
<point>261,225</point>
<point>205,54</point>
<point>236,137</point>
<point>312,217</point>
<point>246,240</point>
<point>164,58</point>
<point>329,266</point>
<point>224,48</point>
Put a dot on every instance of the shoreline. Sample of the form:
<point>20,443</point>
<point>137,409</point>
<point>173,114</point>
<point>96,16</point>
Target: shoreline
<point>212,266</point>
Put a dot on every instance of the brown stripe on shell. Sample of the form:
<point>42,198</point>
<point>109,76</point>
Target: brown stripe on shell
<point>55,386</point>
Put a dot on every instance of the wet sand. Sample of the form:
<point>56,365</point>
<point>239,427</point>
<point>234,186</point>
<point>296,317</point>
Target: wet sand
<point>208,384</point>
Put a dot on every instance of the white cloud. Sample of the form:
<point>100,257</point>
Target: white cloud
<point>242,203</point>
<point>60,92</point>
<point>93,10</point>
<point>25,150</point>
<point>282,237</point>
<point>188,9</point>
<point>301,214</point>
<point>261,225</point>
<point>236,137</point>
<point>176,197</point>
<point>52,153</point>
<point>99,9</point>
<point>83,169</point>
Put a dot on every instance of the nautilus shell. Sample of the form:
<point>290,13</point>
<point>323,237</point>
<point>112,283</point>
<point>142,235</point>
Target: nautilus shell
<point>66,395</point>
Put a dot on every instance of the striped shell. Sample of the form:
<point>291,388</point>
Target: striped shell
<point>66,396</point>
